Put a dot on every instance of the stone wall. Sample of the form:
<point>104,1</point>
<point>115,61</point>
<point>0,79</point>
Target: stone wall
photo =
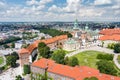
<point>24,59</point>
<point>36,70</point>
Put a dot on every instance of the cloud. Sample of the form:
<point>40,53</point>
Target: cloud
<point>38,2</point>
<point>102,2</point>
<point>38,10</point>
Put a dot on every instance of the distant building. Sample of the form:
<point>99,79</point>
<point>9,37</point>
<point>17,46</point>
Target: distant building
<point>71,45</point>
<point>65,72</point>
<point>109,36</point>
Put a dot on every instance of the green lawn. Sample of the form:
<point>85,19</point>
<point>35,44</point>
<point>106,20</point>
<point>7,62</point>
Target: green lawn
<point>88,58</point>
<point>118,59</point>
<point>1,60</point>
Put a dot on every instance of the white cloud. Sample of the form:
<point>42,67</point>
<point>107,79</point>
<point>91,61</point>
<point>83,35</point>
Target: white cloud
<point>38,2</point>
<point>116,7</point>
<point>102,2</point>
<point>31,2</point>
<point>90,12</point>
<point>72,5</point>
<point>54,8</point>
<point>36,10</point>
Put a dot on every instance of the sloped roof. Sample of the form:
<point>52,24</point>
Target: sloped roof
<point>34,45</point>
<point>23,51</point>
<point>77,73</point>
<point>110,31</point>
<point>115,37</point>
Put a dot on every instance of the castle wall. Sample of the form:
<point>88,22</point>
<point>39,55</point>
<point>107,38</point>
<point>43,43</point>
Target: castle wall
<point>55,76</point>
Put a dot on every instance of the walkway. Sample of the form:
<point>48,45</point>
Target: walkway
<point>115,60</point>
<point>4,62</point>
<point>11,73</point>
<point>95,48</point>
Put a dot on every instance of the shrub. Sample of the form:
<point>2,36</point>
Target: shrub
<point>105,56</point>
<point>111,45</point>
<point>73,61</point>
<point>26,69</point>
<point>117,48</point>
<point>106,67</point>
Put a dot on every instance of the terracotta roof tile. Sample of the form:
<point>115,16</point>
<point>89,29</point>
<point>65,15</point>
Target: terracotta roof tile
<point>23,51</point>
<point>110,37</point>
<point>34,45</point>
<point>110,31</point>
<point>77,73</point>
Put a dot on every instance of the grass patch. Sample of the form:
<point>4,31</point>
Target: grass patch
<point>118,59</point>
<point>88,58</point>
<point>1,60</point>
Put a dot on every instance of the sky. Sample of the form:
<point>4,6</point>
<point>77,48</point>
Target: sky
<point>59,10</point>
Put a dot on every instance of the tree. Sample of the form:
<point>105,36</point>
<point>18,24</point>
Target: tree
<point>15,54</point>
<point>42,37</point>
<point>105,56</point>
<point>73,61</point>
<point>41,45</point>
<point>26,69</point>
<point>91,78</point>
<point>102,43</point>
<point>6,46</point>
<point>13,45</point>
<point>66,60</point>
<point>69,35</point>
<point>59,56</point>
<point>117,48</point>
<point>106,67</point>
<point>44,50</point>
<point>18,77</point>
<point>11,60</point>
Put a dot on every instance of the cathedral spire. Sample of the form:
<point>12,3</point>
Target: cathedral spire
<point>76,25</point>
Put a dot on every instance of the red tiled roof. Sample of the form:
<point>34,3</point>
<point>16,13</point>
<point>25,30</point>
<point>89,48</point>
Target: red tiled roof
<point>34,45</point>
<point>23,51</point>
<point>77,73</point>
<point>110,31</point>
<point>110,37</point>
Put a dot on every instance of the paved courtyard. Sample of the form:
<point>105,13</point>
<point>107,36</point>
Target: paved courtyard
<point>10,73</point>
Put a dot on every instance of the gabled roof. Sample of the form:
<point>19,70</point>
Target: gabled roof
<point>77,73</point>
<point>23,51</point>
<point>110,31</point>
<point>34,45</point>
<point>110,37</point>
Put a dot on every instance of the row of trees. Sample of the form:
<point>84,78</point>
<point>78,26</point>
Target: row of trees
<point>105,64</point>
<point>9,40</point>
<point>59,57</point>
<point>11,59</point>
<point>105,56</point>
<point>114,46</point>
<point>54,32</point>
<point>106,67</point>
<point>11,46</point>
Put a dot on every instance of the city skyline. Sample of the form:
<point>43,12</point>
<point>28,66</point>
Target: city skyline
<point>59,10</point>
